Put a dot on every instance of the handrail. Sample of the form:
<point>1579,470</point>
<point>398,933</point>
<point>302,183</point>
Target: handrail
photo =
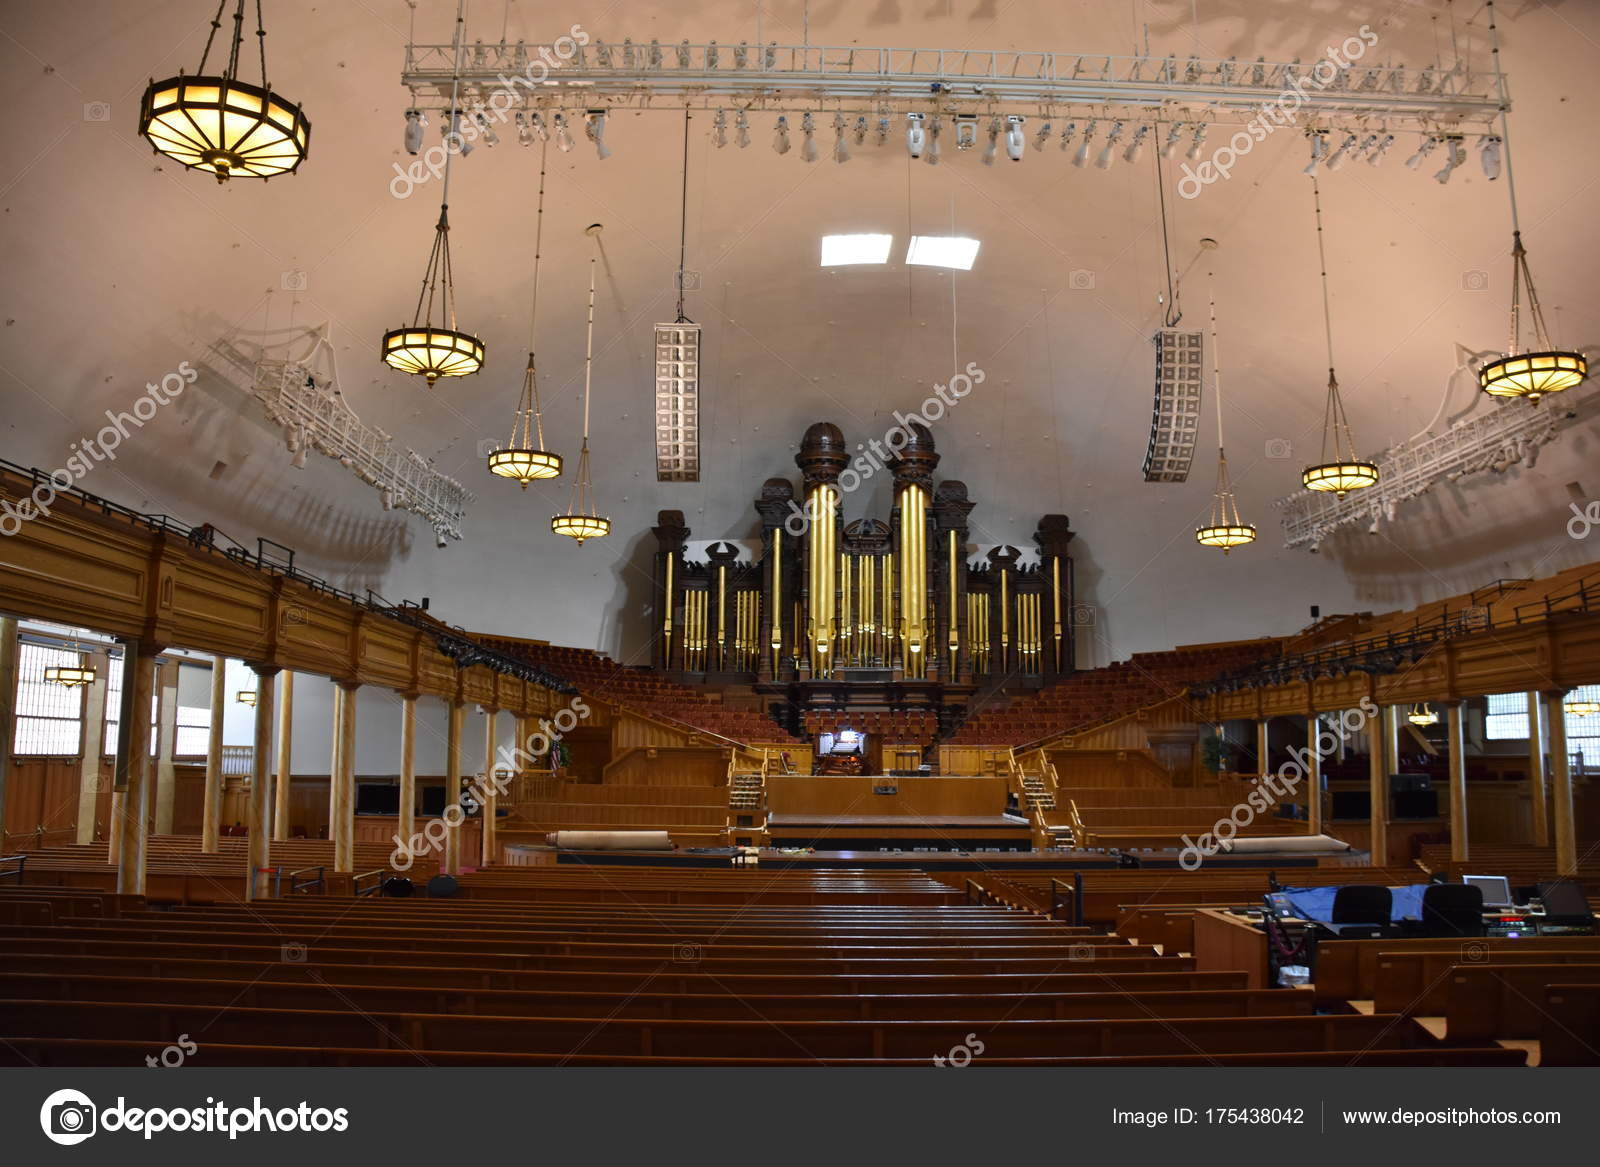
<point>376,874</point>
<point>20,859</point>
<point>299,887</point>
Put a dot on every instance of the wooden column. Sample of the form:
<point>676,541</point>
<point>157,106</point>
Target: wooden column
<point>211,814</point>
<point>94,744</point>
<point>490,799</point>
<point>1538,794</point>
<point>1263,745</point>
<point>452,788</point>
<point>1314,777</point>
<point>8,710</point>
<point>336,760</point>
<point>1391,739</point>
<point>131,824</point>
<point>1378,791</point>
<point>408,766</point>
<point>1555,716</point>
<point>1456,743</point>
<point>342,786</point>
<point>282,803</point>
<point>166,787</point>
<point>257,884</point>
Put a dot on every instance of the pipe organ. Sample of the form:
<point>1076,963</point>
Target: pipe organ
<point>900,601</point>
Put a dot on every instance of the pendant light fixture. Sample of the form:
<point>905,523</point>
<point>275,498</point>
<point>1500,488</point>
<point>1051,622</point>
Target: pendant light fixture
<point>1422,715</point>
<point>71,676</point>
<point>581,521</point>
<point>524,457</point>
<point>221,124</point>
<point>1581,706</point>
<point>1544,368</point>
<point>1345,471</point>
<point>1226,529</point>
<point>678,369</point>
<point>422,347</point>
<point>245,697</point>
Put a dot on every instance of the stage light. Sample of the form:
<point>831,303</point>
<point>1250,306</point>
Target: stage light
<point>916,135</point>
<point>1193,152</point>
<point>719,130</point>
<point>883,129</point>
<point>563,135</point>
<point>1068,132</point>
<point>1319,150</point>
<point>683,53</point>
<point>540,130</point>
<point>1136,147</point>
<point>861,130</point>
<point>415,124</point>
<point>1337,159</point>
<point>1454,157</point>
<point>524,134</point>
<point>967,130</point>
<point>1041,135</point>
<point>841,152</point>
<point>741,130</point>
<point>655,53</point>
<point>1014,140</point>
<point>454,139</point>
<point>1489,156</point>
<point>594,125</point>
<point>1081,158</point>
<point>1103,162</point>
<point>485,130</point>
<point>808,144</point>
<point>780,136</point>
<point>993,146</point>
<point>1170,146</point>
<point>935,131</point>
<point>1422,152</point>
<point>1380,150</point>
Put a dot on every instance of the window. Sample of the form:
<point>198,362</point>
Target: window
<point>194,732</point>
<point>1583,733</point>
<point>1507,718</point>
<point>49,716</point>
<point>114,709</point>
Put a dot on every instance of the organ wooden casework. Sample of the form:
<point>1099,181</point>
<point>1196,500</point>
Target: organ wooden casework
<point>829,602</point>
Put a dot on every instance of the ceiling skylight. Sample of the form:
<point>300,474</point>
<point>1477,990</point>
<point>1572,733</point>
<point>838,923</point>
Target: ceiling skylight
<point>942,251</point>
<point>838,250</point>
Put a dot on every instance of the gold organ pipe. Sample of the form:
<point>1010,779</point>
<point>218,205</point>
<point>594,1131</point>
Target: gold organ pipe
<point>666,624</point>
<point>775,607</point>
<point>722,615</point>
<point>955,629</point>
<point>846,609</point>
<point>1005,621</point>
<point>1055,592</point>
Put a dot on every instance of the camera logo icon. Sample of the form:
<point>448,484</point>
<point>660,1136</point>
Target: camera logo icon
<point>1475,281</point>
<point>691,281</point>
<point>97,111</point>
<point>67,1117</point>
<point>1081,951</point>
<point>294,281</point>
<point>1081,280</point>
<point>292,953</point>
<point>1081,615</point>
<point>686,952</point>
<point>1279,449</point>
<point>487,446</point>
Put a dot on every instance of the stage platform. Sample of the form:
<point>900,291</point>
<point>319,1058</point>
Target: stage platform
<point>1021,861</point>
<point>906,831</point>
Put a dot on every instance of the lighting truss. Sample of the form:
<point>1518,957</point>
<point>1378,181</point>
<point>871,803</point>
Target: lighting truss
<point>1175,425</point>
<point>314,415</point>
<point>1494,440</point>
<point>858,80</point>
<point>678,402</point>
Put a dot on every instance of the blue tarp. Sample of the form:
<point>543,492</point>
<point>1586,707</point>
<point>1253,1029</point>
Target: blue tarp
<point>1316,903</point>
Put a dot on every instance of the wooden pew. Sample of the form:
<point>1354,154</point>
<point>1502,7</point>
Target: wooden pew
<point>1571,1023</point>
<point>1347,970</point>
<point>1489,1002</point>
<point>1418,982</point>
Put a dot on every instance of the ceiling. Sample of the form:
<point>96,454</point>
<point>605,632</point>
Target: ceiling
<point>121,266</point>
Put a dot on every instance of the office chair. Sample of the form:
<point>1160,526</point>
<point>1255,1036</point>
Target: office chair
<point>1564,902</point>
<point>1450,909</point>
<point>1362,910</point>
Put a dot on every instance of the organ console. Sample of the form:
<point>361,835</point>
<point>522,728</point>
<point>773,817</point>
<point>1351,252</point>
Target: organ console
<point>835,605</point>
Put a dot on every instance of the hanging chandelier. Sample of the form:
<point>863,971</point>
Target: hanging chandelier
<point>1583,707</point>
<point>72,676</point>
<point>1226,529</point>
<point>221,124</point>
<point>524,457</point>
<point>245,697</point>
<point>581,521</point>
<point>422,347</point>
<point>677,352</point>
<point>1545,368</point>
<point>1422,715</point>
<point>1344,471</point>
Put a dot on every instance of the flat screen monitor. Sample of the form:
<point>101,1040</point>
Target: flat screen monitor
<point>1496,889</point>
<point>845,741</point>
